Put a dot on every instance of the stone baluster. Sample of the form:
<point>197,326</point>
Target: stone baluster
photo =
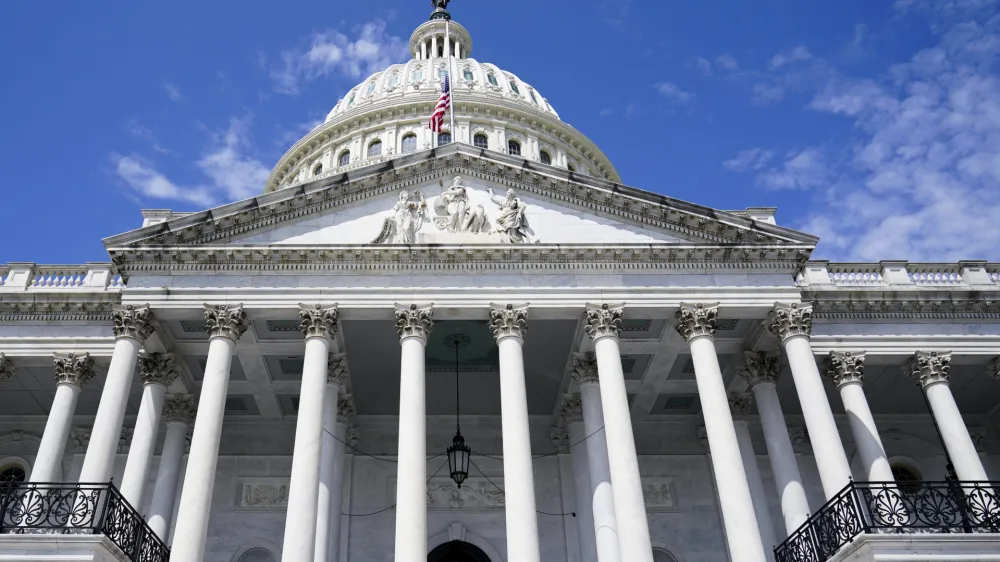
<point>178,412</point>
<point>73,370</point>
<point>158,372</point>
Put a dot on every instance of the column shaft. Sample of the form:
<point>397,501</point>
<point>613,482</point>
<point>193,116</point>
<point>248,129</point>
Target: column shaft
<point>99,463</point>
<point>161,508</point>
<point>965,459</point>
<point>48,461</point>
<point>756,485</point>
<point>784,465</point>
<point>601,494</point>
<point>866,437</point>
<point>331,482</point>
<point>147,424</point>
<point>411,477</point>
<point>582,490</point>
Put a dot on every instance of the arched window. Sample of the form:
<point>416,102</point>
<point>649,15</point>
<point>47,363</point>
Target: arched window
<point>344,158</point>
<point>256,554</point>
<point>444,138</point>
<point>350,101</point>
<point>513,148</point>
<point>417,75</point>
<point>481,140</point>
<point>393,80</point>
<point>371,88</point>
<point>468,75</point>
<point>318,169</point>
<point>571,167</point>
<point>409,143</point>
<point>546,159</point>
<point>513,85</point>
<point>660,555</point>
<point>375,149</point>
<point>531,93</point>
<point>906,476</point>
<point>492,79</point>
<point>11,474</point>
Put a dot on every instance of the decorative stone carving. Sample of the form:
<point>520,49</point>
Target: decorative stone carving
<point>74,368</point>
<point>6,369</point>
<point>799,438</point>
<point>414,321</point>
<point>134,322</point>
<point>658,494</point>
<point>453,213</point>
<point>559,437</point>
<point>702,434</point>
<point>264,494</point>
<point>353,436</point>
<point>844,367</point>
<point>337,369</point>
<point>158,368</point>
<point>318,321</point>
<point>604,320</point>
<point>180,408</point>
<point>789,320</point>
<point>994,368</point>
<point>571,408</point>
<point>929,367</point>
<point>978,436</point>
<point>585,368</point>
<point>760,367</point>
<point>475,493</point>
<point>511,223</point>
<point>407,218</point>
<point>125,440</point>
<point>697,320</point>
<point>739,404</point>
<point>345,408</point>
<point>80,436</point>
<point>223,321</point>
<point>508,321</point>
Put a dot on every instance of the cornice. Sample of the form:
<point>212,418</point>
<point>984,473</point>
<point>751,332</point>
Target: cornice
<point>950,306</point>
<point>33,311</point>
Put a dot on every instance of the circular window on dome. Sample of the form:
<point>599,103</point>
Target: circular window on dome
<point>375,149</point>
<point>481,141</point>
<point>12,473</point>
<point>409,144</point>
<point>545,158</point>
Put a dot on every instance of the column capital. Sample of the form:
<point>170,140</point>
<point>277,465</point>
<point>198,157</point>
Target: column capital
<point>337,369</point>
<point>135,322</point>
<point>74,368</point>
<point>697,320</point>
<point>993,369</point>
<point>845,367</point>
<point>222,321</point>
<point>929,367</point>
<point>508,321</point>
<point>414,321</point>
<point>6,369</point>
<point>559,437</point>
<point>180,408</point>
<point>158,368</point>
<point>346,409</point>
<point>585,368</point>
<point>739,404</point>
<point>789,320</point>
<point>604,320</point>
<point>318,321</point>
<point>80,436</point>
<point>760,367</point>
<point>571,408</point>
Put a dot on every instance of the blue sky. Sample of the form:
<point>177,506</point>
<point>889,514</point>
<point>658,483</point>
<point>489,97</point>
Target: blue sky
<point>874,124</point>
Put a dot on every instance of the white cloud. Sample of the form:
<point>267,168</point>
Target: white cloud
<point>149,183</point>
<point>704,65</point>
<point>332,52</point>
<point>801,170</point>
<point>766,93</point>
<point>673,93</point>
<point>727,62</point>
<point>750,159</point>
<point>173,92</point>
<point>798,54</point>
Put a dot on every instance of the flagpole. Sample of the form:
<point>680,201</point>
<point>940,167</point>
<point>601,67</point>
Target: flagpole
<point>451,77</point>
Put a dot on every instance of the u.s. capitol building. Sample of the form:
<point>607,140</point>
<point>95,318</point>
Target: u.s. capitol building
<point>479,346</point>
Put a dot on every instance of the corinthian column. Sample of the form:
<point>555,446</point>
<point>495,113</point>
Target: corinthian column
<point>509,324</point>
<point>761,372</point>
<point>132,326</point>
<point>157,372</point>
<point>73,370</point>
<point>602,498</point>
<point>847,371</point>
<point>739,405</point>
<point>225,325</point>
<point>338,410</point>
<point>178,411</point>
<point>932,370</point>
<point>604,325</point>
<point>413,324</point>
<point>696,324</point>
<point>792,325</point>
<point>319,326</point>
<point>571,413</point>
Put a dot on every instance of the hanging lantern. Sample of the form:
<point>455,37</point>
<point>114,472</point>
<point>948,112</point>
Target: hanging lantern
<point>458,459</point>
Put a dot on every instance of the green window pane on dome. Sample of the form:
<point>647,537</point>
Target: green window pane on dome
<point>513,87</point>
<point>442,73</point>
<point>393,80</point>
<point>468,75</point>
<point>417,75</point>
<point>371,88</point>
<point>492,79</point>
<point>534,100</point>
<point>351,100</point>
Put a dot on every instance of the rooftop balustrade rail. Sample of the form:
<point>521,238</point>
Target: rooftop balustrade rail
<point>893,508</point>
<point>93,509</point>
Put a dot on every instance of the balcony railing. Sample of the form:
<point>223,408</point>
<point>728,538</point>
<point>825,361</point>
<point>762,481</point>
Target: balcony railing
<point>92,509</point>
<point>893,508</point>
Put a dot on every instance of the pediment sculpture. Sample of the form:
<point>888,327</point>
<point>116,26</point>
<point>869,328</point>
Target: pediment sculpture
<point>407,217</point>
<point>454,212</point>
<point>511,223</point>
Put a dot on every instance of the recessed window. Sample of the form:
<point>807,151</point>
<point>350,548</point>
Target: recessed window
<point>571,167</point>
<point>513,86</point>
<point>481,141</point>
<point>534,100</point>
<point>371,88</point>
<point>513,148</point>
<point>409,143</point>
<point>492,79</point>
<point>318,169</point>
<point>11,475</point>
<point>444,138</point>
<point>546,159</point>
<point>344,158</point>
<point>375,149</point>
<point>468,75</point>
<point>417,75</point>
<point>906,476</point>
<point>442,74</point>
<point>393,80</point>
<point>350,100</point>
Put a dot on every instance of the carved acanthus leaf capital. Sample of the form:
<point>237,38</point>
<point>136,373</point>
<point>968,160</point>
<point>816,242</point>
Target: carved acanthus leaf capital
<point>80,436</point>
<point>571,408</point>
<point>604,320</point>
<point>318,321</point>
<point>929,367</point>
<point>760,367</point>
<point>223,321</point>
<point>6,369</point>
<point>844,367</point>
<point>180,408</point>
<point>789,320</point>
<point>158,368</point>
<point>508,321</point>
<point>74,368</point>
<point>559,437</point>
<point>697,320</point>
<point>739,404</point>
<point>337,369</point>
<point>799,437</point>
<point>994,368</point>
<point>345,408</point>
<point>585,368</point>
<point>414,321</point>
<point>134,322</point>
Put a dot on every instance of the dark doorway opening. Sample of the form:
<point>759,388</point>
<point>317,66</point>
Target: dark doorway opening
<point>457,551</point>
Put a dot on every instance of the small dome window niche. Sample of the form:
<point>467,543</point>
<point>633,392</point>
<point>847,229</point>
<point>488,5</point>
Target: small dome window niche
<point>317,169</point>
<point>492,79</point>
<point>513,86</point>
<point>468,75</point>
<point>350,101</point>
<point>375,149</point>
<point>545,158</point>
<point>444,138</point>
<point>371,88</point>
<point>409,144</point>
<point>417,75</point>
<point>393,80</point>
<point>344,158</point>
<point>534,100</point>
<point>481,141</point>
<point>513,148</point>
<point>571,167</point>
<point>442,74</point>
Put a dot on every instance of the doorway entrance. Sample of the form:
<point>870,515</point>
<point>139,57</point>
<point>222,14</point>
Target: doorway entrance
<point>457,551</point>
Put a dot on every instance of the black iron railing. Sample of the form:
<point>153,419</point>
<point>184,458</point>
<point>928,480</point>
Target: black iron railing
<point>891,508</point>
<point>97,509</point>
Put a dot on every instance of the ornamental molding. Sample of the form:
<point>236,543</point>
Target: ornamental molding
<point>346,410</point>
<point>337,369</point>
<point>158,368</point>
<point>604,320</point>
<point>180,408</point>
<point>571,408</point>
<point>559,437</point>
<point>951,305</point>
<point>929,367</point>
<point>659,494</point>
<point>845,367</point>
<point>739,404</point>
<point>318,321</point>
<point>585,368</point>
<point>66,311</point>
<point>6,369</point>
<point>697,320</point>
<point>74,368</point>
<point>789,320</point>
<point>760,367</point>
<point>80,437</point>
<point>263,494</point>
<point>222,321</point>
<point>414,321</point>
<point>508,321</point>
<point>130,321</point>
<point>476,493</point>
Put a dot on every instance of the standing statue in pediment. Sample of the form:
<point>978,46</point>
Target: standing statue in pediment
<point>453,211</point>
<point>407,217</point>
<point>511,223</point>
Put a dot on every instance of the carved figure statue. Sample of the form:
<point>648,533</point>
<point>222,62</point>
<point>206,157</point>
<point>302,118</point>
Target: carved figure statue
<point>452,207</point>
<point>443,4</point>
<point>475,221</point>
<point>407,217</point>
<point>511,223</point>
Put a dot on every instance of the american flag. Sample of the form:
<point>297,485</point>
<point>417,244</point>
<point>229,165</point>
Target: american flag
<point>444,102</point>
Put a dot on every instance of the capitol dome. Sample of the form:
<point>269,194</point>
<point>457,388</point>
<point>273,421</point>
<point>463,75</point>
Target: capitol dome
<point>386,116</point>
